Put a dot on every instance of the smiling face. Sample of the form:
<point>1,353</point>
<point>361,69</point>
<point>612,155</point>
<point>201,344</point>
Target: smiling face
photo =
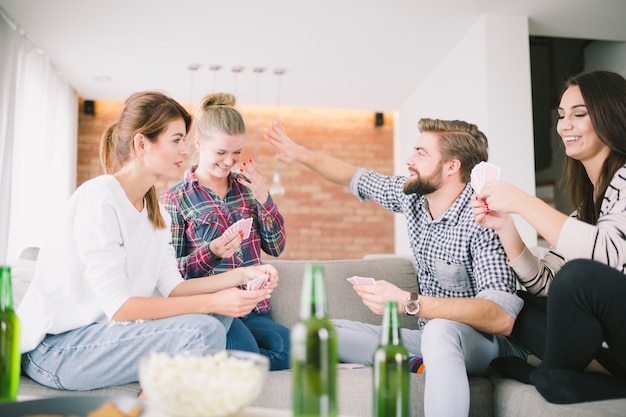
<point>168,154</point>
<point>575,128</point>
<point>218,154</point>
<point>425,166</point>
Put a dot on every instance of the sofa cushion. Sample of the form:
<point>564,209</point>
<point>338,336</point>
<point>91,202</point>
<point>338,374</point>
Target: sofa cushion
<point>355,390</point>
<point>516,399</point>
<point>343,302</point>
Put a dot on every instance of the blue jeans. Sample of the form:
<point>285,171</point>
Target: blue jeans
<point>259,333</point>
<point>107,354</point>
<point>451,350</point>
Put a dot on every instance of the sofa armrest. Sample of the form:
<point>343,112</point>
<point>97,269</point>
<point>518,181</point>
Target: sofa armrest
<point>344,303</point>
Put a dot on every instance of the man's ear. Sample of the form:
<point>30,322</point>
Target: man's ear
<point>454,166</point>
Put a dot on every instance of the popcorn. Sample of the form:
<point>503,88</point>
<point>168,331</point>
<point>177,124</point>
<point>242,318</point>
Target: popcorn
<point>218,385</point>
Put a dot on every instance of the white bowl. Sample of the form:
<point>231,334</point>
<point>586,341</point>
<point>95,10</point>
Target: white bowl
<point>217,385</point>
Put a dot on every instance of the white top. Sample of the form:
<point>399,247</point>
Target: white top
<point>604,241</point>
<point>104,252</point>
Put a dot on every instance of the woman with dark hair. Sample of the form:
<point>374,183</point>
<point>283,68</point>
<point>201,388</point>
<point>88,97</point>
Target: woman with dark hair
<point>89,313</point>
<point>574,317</point>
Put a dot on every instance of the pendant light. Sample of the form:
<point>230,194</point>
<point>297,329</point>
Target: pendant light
<point>277,189</point>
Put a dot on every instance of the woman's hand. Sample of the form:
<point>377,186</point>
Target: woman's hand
<point>235,302</point>
<point>503,197</point>
<point>492,207</point>
<point>254,181</point>
<point>226,245</point>
<point>249,273</point>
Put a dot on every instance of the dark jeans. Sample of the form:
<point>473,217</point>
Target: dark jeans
<point>585,307</point>
<point>260,334</point>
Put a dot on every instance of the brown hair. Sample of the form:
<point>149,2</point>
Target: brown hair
<point>148,113</point>
<point>216,112</point>
<point>460,140</point>
<point>604,94</point>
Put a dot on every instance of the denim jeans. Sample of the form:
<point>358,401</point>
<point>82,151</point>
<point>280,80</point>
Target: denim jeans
<point>272,339</point>
<point>451,350</point>
<point>107,354</point>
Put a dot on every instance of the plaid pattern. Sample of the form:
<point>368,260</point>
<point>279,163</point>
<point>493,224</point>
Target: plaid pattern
<point>455,257</point>
<point>199,216</point>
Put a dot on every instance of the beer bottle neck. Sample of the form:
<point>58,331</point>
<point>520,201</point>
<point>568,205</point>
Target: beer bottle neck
<point>390,333</point>
<point>6,291</point>
<point>313,302</point>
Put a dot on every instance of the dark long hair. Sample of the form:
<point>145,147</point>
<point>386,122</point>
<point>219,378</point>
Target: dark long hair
<point>604,94</point>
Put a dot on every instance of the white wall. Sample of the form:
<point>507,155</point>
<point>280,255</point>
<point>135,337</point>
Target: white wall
<point>484,80</point>
<point>608,56</point>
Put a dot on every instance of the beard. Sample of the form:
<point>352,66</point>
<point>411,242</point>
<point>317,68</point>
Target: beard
<point>423,185</point>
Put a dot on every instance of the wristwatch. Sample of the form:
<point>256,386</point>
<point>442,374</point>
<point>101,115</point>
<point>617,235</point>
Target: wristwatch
<point>412,305</point>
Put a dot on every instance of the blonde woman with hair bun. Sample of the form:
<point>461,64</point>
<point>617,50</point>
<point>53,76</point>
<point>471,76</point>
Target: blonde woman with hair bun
<point>214,194</point>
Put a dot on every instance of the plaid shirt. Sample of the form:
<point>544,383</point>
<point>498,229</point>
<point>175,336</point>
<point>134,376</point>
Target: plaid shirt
<point>199,216</point>
<point>455,257</point>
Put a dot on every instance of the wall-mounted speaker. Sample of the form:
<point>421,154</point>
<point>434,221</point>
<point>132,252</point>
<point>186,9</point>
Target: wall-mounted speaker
<point>379,120</point>
<point>89,107</point>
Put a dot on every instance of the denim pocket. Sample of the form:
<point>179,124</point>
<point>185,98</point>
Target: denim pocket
<point>452,276</point>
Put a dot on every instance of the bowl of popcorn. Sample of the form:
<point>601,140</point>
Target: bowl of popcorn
<point>215,385</point>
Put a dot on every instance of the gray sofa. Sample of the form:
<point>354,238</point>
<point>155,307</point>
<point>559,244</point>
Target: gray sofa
<point>492,396</point>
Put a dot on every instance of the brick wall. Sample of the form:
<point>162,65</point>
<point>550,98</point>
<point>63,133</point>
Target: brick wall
<point>323,221</point>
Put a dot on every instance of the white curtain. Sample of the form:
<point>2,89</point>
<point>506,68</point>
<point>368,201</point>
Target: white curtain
<point>38,137</point>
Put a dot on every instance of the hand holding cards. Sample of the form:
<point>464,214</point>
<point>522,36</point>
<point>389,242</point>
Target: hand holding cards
<point>257,283</point>
<point>243,226</point>
<point>361,280</point>
<point>483,173</point>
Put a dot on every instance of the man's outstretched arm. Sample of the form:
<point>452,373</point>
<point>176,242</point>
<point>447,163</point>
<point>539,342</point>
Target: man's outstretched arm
<point>328,167</point>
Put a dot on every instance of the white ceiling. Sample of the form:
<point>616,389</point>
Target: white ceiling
<point>357,54</point>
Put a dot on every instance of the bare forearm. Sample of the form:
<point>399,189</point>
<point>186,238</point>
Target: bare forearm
<point>207,285</point>
<point>511,240</point>
<point>151,308</point>
<point>328,167</point>
<point>483,315</point>
<point>546,220</point>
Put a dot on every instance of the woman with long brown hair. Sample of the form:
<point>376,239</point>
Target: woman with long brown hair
<point>574,316</point>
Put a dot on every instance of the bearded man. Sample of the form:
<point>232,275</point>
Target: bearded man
<point>467,303</point>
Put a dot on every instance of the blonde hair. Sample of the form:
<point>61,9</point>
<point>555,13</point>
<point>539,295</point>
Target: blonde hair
<point>148,113</point>
<point>460,140</point>
<point>216,113</point>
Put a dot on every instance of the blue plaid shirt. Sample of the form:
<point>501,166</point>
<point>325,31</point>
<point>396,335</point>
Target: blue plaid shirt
<point>199,216</point>
<point>455,257</point>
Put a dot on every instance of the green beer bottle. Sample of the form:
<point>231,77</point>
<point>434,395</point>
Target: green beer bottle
<point>9,340</point>
<point>314,351</point>
<point>391,373</point>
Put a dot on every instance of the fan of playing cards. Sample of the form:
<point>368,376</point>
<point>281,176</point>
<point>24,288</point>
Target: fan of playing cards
<point>257,283</point>
<point>242,226</point>
<point>482,174</point>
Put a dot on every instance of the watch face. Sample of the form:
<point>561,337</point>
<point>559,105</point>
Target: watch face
<point>411,307</point>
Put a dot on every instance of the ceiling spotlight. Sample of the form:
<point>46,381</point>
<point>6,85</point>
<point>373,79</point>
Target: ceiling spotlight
<point>215,67</point>
<point>193,67</point>
<point>238,69</point>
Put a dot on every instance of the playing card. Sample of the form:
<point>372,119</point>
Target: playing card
<point>243,225</point>
<point>361,280</point>
<point>257,283</point>
<point>483,173</point>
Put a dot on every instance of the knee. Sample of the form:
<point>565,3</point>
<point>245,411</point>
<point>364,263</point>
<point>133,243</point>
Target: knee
<point>210,330</point>
<point>441,337</point>
<point>574,275</point>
